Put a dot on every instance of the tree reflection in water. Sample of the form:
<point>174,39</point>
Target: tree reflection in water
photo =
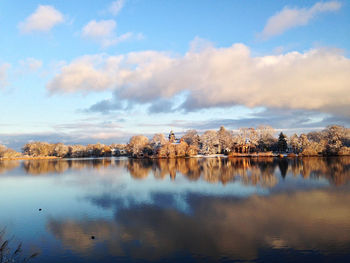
<point>8,165</point>
<point>134,210</point>
<point>250,171</point>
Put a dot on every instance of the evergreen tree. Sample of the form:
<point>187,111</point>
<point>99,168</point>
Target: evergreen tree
<point>282,142</point>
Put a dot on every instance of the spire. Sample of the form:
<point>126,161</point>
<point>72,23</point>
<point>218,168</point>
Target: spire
<point>172,136</point>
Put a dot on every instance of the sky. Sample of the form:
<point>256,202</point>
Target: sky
<point>102,71</point>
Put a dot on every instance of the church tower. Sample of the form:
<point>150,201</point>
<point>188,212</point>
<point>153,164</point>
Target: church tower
<point>172,137</point>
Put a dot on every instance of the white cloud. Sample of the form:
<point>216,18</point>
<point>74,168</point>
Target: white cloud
<point>30,65</point>
<point>116,7</point>
<point>43,19</point>
<point>3,74</point>
<point>103,32</point>
<point>293,17</point>
<point>82,72</point>
<point>215,77</point>
<point>103,28</point>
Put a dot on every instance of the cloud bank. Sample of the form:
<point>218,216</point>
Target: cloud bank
<point>43,19</point>
<point>70,133</point>
<point>293,17</point>
<point>317,79</point>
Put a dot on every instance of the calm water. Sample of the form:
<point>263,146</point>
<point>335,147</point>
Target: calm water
<point>185,210</point>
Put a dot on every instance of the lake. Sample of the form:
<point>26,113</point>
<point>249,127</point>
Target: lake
<point>178,210</point>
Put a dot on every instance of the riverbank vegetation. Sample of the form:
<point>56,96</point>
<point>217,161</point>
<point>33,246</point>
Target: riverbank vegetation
<point>10,254</point>
<point>332,141</point>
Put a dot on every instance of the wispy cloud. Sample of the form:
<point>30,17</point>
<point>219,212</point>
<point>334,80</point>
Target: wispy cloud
<point>44,18</point>
<point>216,77</point>
<point>293,17</point>
<point>104,33</point>
<point>4,74</point>
<point>116,6</point>
<point>30,65</point>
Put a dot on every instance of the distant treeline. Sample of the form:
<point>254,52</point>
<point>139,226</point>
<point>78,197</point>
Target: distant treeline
<point>332,141</point>
<point>60,150</point>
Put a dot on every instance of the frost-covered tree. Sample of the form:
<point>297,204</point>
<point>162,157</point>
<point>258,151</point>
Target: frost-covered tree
<point>192,150</point>
<point>243,134</point>
<point>303,141</point>
<point>3,148</point>
<point>209,142</point>
<point>8,153</point>
<point>180,149</point>
<point>38,149</point>
<point>335,136</point>
<point>294,143</point>
<point>191,137</point>
<point>266,140</point>
<point>137,144</point>
<point>158,140</point>
<point>60,150</point>
<point>225,139</point>
<point>76,151</point>
<point>265,131</point>
<point>316,136</point>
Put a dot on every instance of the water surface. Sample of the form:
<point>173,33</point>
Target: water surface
<point>180,210</point>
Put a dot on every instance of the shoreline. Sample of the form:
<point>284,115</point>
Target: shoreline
<point>219,156</point>
<point>31,158</point>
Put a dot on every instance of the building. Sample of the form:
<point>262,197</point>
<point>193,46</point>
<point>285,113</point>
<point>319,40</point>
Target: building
<point>172,137</point>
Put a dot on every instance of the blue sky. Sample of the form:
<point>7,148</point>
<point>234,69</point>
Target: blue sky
<point>88,71</point>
